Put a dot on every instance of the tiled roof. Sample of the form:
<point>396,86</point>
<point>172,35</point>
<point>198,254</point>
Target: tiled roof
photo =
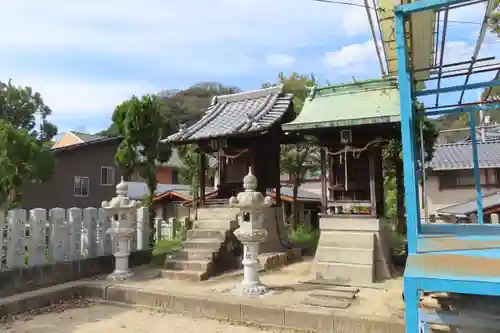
<point>239,113</point>
<point>138,190</point>
<point>469,207</point>
<point>361,102</point>
<point>87,137</point>
<point>458,156</point>
<point>303,195</point>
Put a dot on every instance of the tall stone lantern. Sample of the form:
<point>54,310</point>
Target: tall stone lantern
<point>121,209</point>
<point>251,233</point>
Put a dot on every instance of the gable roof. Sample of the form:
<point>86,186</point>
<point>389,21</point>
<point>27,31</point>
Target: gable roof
<point>236,114</point>
<point>358,103</point>
<point>458,156</point>
<point>81,145</point>
<point>468,207</point>
<point>85,137</point>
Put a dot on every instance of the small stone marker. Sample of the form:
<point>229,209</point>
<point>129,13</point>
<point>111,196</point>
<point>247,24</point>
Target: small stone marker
<point>494,218</point>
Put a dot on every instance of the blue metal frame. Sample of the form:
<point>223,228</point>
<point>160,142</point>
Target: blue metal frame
<point>431,243</point>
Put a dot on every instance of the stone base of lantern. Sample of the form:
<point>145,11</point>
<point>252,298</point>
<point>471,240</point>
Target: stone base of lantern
<point>254,289</point>
<point>120,275</point>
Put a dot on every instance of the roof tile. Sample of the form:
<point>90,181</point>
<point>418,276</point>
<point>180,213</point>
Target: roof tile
<point>458,156</point>
<point>239,113</point>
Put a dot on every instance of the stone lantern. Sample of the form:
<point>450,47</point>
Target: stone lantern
<point>121,209</point>
<point>251,233</point>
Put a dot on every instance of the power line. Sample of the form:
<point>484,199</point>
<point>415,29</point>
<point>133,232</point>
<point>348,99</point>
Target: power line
<point>381,9</point>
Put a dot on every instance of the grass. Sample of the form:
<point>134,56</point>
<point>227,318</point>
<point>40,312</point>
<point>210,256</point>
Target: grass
<point>305,237</point>
<point>164,246</point>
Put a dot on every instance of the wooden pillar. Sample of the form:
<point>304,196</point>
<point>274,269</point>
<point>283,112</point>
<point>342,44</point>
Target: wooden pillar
<point>324,194</point>
<point>202,176</point>
<point>372,172</point>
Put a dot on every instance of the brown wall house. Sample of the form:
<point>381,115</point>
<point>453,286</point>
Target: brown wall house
<point>85,175</point>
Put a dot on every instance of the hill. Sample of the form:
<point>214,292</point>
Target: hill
<point>185,106</point>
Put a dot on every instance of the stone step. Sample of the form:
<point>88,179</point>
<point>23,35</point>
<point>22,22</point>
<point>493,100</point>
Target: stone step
<point>346,239</point>
<point>212,224</point>
<point>202,244</point>
<point>195,254</point>
<point>206,233</point>
<point>183,275</point>
<point>187,265</point>
<point>343,273</point>
<point>345,255</point>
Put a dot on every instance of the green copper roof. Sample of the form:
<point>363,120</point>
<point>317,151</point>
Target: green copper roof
<point>357,103</point>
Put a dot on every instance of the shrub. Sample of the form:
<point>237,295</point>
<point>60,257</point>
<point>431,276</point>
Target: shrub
<point>305,237</point>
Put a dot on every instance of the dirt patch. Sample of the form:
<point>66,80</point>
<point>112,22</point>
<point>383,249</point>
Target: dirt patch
<point>104,318</point>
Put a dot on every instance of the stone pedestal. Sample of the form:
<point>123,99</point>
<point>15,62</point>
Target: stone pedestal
<point>122,238</point>
<point>121,208</point>
<point>353,250</point>
<point>251,233</point>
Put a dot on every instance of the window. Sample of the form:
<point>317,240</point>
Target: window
<point>175,176</point>
<point>465,178</point>
<point>81,187</point>
<point>107,176</point>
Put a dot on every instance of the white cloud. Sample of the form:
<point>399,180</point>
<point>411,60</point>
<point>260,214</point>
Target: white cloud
<point>83,99</point>
<point>170,38</point>
<point>280,60</point>
<point>352,58</point>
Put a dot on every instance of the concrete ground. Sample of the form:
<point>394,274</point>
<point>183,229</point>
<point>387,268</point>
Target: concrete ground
<point>382,300</point>
<point>105,318</point>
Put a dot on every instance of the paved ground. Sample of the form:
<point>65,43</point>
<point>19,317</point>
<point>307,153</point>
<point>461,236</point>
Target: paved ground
<point>378,299</point>
<point>105,318</point>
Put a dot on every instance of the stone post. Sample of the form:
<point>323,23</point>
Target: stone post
<point>121,209</point>
<point>494,218</point>
<point>250,233</point>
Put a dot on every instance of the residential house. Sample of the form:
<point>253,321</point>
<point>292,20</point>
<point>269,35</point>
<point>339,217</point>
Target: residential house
<point>85,175</point>
<point>450,177</point>
<point>73,138</point>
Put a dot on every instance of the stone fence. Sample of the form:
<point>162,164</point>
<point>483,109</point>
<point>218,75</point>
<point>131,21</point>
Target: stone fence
<point>40,247</point>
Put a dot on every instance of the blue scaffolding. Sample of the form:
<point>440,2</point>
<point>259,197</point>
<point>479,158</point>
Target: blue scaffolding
<point>462,260</point>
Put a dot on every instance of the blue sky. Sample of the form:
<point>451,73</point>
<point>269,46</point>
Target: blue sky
<point>85,57</point>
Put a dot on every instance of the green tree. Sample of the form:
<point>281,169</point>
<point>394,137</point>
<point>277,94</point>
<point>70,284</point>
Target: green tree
<point>142,126</point>
<point>297,160</point>
<point>393,158</point>
<point>23,159</point>
<point>26,110</point>
<point>494,19</point>
<point>190,172</point>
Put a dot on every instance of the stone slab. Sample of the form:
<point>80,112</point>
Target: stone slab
<point>345,273</point>
<point>351,223</point>
<point>345,255</point>
<point>327,303</point>
<point>347,239</point>
<point>333,294</point>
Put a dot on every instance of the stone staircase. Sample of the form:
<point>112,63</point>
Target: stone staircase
<point>210,247</point>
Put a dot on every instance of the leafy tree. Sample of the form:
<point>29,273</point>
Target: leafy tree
<point>297,160</point>
<point>26,110</point>
<point>190,172</point>
<point>393,155</point>
<point>23,159</point>
<point>184,106</point>
<point>494,20</point>
<point>140,123</point>
<point>25,141</point>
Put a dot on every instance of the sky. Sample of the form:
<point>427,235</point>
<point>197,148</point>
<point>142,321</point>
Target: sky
<point>85,57</point>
